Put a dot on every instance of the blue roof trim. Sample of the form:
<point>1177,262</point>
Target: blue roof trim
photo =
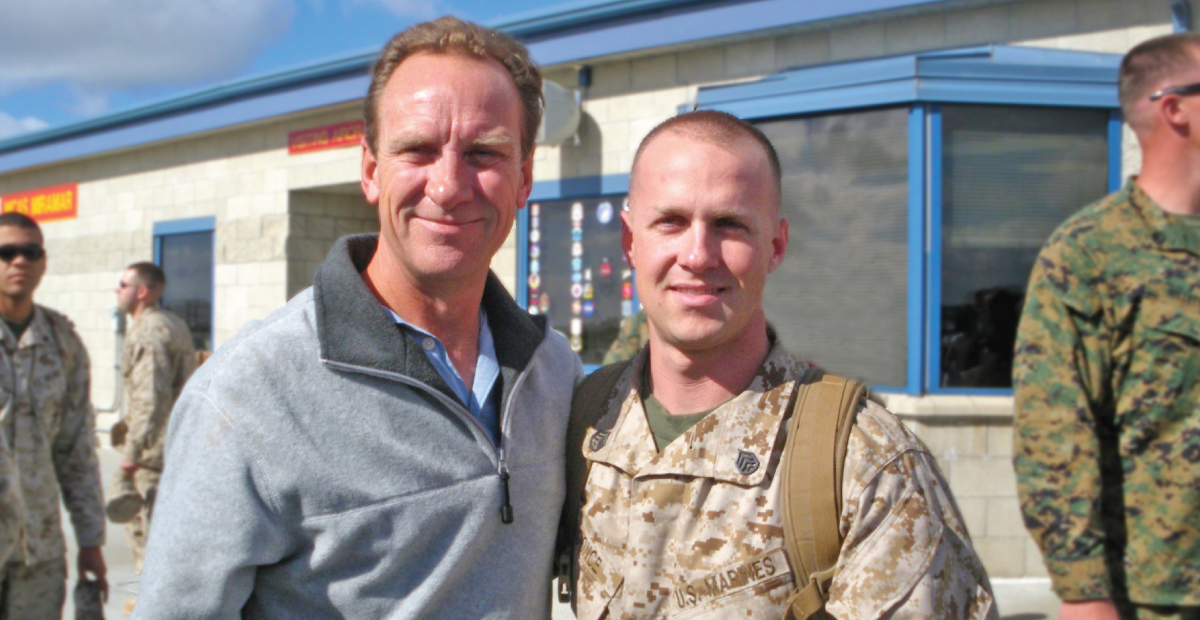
<point>559,39</point>
<point>196,118</point>
<point>289,78</point>
<point>570,33</point>
<point>605,13</point>
<point>991,74</point>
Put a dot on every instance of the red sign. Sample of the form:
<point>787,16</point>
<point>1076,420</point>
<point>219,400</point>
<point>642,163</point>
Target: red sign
<point>46,204</point>
<point>327,137</point>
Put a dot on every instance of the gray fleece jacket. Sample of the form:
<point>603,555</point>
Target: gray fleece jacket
<point>319,467</point>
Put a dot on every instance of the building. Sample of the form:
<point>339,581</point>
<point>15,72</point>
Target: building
<point>929,147</point>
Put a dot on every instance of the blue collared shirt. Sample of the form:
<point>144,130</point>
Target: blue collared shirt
<point>480,400</point>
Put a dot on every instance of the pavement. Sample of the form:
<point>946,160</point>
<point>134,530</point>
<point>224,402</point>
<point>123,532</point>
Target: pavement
<point>1018,599</point>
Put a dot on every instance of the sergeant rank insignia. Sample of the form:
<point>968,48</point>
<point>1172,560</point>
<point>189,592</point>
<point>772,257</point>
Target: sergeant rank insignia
<point>599,437</point>
<point>747,462</point>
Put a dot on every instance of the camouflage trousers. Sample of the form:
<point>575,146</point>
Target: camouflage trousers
<point>33,592</point>
<point>138,529</point>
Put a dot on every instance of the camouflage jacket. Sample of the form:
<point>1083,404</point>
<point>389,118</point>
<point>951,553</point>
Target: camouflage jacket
<point>10,501</point>
<point>157,360</point>
<point>685,534</point>
<point>49,428</point>
<point>631,337</point>
<point>1107,384</point>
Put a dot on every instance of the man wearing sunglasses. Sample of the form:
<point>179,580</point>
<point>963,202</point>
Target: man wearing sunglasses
<point>50,431</point>
<point>1107,368</point>
<point>157,359</point>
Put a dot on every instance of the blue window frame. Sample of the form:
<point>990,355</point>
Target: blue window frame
<point>557,268</point>
<point>185,250</point>
<point>927,85</point>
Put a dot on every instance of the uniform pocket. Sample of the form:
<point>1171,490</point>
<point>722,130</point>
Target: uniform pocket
<point>600,578</point>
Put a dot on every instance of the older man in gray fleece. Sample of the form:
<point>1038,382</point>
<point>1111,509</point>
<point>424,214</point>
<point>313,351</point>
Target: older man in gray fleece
<point>390,443</point>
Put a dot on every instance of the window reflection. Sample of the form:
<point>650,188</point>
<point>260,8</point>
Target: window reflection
<point>187,260</point>
<point>1011,175</point>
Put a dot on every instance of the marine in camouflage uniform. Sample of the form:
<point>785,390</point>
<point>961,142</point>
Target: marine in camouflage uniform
<point>683,533</point>
<point>1107,383</point>
<point>50,429</point>
<point>157,359</point>
<point>632,335</point>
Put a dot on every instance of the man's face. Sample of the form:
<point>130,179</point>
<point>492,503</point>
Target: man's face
<point>703,232</point>
<point>21,275</point>
<point>127,290</point>
<point>448,175</point>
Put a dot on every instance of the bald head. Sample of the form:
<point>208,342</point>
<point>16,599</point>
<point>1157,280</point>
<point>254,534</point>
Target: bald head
<point>719,129</point>
<point>1163,62</point>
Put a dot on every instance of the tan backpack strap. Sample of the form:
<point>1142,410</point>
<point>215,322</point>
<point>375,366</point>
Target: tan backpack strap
<point>813,462</point>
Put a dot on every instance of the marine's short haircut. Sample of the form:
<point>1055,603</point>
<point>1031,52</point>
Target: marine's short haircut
<point>150,274</point>
<point>20,220</point>
<point>450,35</point>
<point>1151,62</point>
<point>718,128</point>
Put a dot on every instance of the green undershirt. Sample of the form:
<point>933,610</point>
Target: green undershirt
<point>18,328</point>
<point>664,426</point>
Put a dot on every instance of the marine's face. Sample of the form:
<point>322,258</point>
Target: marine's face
<point>448,175</point>
<point>127,290</point>
<point>703,232</point>
<point>21,275</point>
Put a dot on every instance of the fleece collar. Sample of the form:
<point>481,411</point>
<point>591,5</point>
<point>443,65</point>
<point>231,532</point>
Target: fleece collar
<point>353,329</point>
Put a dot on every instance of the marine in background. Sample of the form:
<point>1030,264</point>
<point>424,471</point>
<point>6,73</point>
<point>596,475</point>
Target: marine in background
<point>1107,368</point>
<point>49,429</point>
<point>157,358</point>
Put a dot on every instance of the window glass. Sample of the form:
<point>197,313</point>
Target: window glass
<point>1011,175</point>
<point>577,271</point>
<point>187,260</point>
<point>840,297</point>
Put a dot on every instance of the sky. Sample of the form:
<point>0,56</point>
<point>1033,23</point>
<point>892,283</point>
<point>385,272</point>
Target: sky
<point>65,61</point>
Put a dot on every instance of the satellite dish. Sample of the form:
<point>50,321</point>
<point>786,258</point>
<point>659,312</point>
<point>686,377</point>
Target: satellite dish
<point>560,120</point>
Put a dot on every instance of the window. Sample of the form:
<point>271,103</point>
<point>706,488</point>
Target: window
<point>839,298</point>
<point>1010,176</point>
<point>575,270</point>
<point>919,190</point>
<point>184,250</point>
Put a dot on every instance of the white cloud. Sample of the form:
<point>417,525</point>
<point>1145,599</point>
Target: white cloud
<point>10,126</point>
<point>104,45</point>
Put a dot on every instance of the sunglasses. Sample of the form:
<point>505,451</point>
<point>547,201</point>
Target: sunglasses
<point>31,251</point>
<point>1186,89</point>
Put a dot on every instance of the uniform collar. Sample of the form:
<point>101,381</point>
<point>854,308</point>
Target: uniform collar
<point>1166,230</point>
<point>38,332</point>
<point>734,443</point>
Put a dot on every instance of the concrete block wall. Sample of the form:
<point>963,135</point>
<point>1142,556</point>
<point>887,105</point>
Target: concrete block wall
<point>628,97</point>
<point>240,176</point>
<point>975,454</point>
<point>315,221</point>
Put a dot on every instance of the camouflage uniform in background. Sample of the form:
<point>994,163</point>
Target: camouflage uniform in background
<point>686,534</point>
<point>10,502</point>
<point>157,360</point>
<point>50,430</point>
<point>1107,429</point>
<point>631,337</point>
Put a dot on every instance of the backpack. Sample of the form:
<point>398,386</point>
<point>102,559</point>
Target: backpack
<point>822,412</point>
